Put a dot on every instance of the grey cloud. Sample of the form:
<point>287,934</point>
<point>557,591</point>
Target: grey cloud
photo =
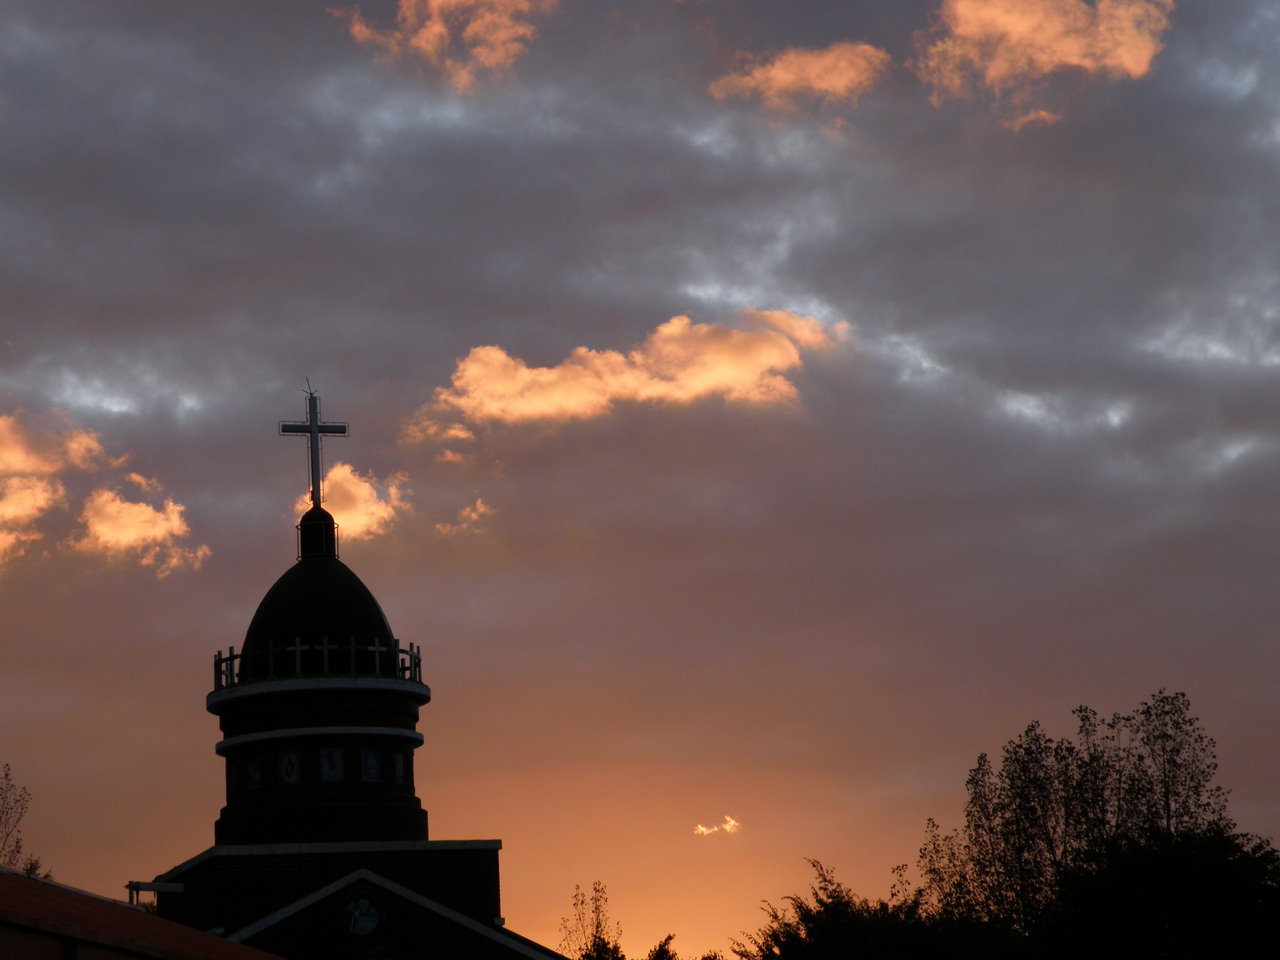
<point>1040,472</point>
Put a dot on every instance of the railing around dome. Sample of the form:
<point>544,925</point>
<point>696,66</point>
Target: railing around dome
<point>342,663</point>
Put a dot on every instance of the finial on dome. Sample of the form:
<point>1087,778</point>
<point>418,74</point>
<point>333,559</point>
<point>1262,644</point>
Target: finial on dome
<point>317,534</point>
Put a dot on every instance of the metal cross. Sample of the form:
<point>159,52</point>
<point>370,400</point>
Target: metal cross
<point>312,428</point>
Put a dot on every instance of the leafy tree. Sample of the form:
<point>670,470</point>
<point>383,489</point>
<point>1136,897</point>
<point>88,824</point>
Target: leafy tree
<point>1054,806</point>
<point>1185,895</point>
<point>663,951</point>
<point>833,923</point>
<point>590,934</point>
<point>13,807</point>
<point>14,801</point>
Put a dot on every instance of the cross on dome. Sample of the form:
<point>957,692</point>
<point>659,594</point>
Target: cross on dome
<point>313,428</point>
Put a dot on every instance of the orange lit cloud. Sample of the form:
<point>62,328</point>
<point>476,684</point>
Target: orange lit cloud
<point>806,332</point>
<point>11,542</point>
<point>458,36</point>
<point>422,429</point>
<point>842,71</point>
<point>1010,45</point>
<point>115,527</point>
<point>145,483</point>
<point>29,461</point>
<point>81,448</point>
<point>23,499</point>
<point>680,362</point>
<point>357,503</point>
<point>468,519</point>
<point>730,825</point>
<point>27,452</point>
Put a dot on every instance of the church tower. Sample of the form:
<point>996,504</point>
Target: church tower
<point>319,710</point>
<point>322,847</point>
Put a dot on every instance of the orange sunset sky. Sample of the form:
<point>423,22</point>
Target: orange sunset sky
<point>757,409</point>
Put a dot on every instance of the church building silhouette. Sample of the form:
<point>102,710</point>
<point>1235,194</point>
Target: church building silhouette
<point>322,850</point>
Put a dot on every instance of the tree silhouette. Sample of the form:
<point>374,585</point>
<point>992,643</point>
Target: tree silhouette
<point>663,951</point>
<point>14,801</point>
<point>832,923</point>
<point>589,934</point>
<point>1189,894</point>
<point>1054,807</point>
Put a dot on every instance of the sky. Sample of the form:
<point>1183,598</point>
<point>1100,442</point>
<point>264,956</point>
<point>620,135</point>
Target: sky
<point>757,409</point>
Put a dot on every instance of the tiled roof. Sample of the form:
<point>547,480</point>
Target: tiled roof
<point>69,914</point>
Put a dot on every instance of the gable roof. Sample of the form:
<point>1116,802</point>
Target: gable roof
<point>516,945</point>
<point>65,913</point>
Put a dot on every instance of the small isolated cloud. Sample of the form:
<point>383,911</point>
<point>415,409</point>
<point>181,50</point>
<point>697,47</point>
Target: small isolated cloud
<point>730,825</point>
<point>460,37</point>
<point>1009,46</point>
<point>842,71</point>
<point>679,363</point>
<point>115,527</point>
<point>468,519</point>
<point>357,503</point>
<point>1034,118</point>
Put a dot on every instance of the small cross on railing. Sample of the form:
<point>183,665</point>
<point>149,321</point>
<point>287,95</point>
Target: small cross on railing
<point>378,649</point>
<point>325,647</point>
<point>312,428</point>
<point>296,649</point>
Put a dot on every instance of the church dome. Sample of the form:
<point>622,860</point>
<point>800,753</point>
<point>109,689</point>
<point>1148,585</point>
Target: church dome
<point>318,619</point>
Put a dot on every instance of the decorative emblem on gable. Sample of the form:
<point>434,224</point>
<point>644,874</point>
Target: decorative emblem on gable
<point>362,917</point>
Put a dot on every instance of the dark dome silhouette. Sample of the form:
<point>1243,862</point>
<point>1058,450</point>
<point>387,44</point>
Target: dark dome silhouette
<point>318,619</point>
